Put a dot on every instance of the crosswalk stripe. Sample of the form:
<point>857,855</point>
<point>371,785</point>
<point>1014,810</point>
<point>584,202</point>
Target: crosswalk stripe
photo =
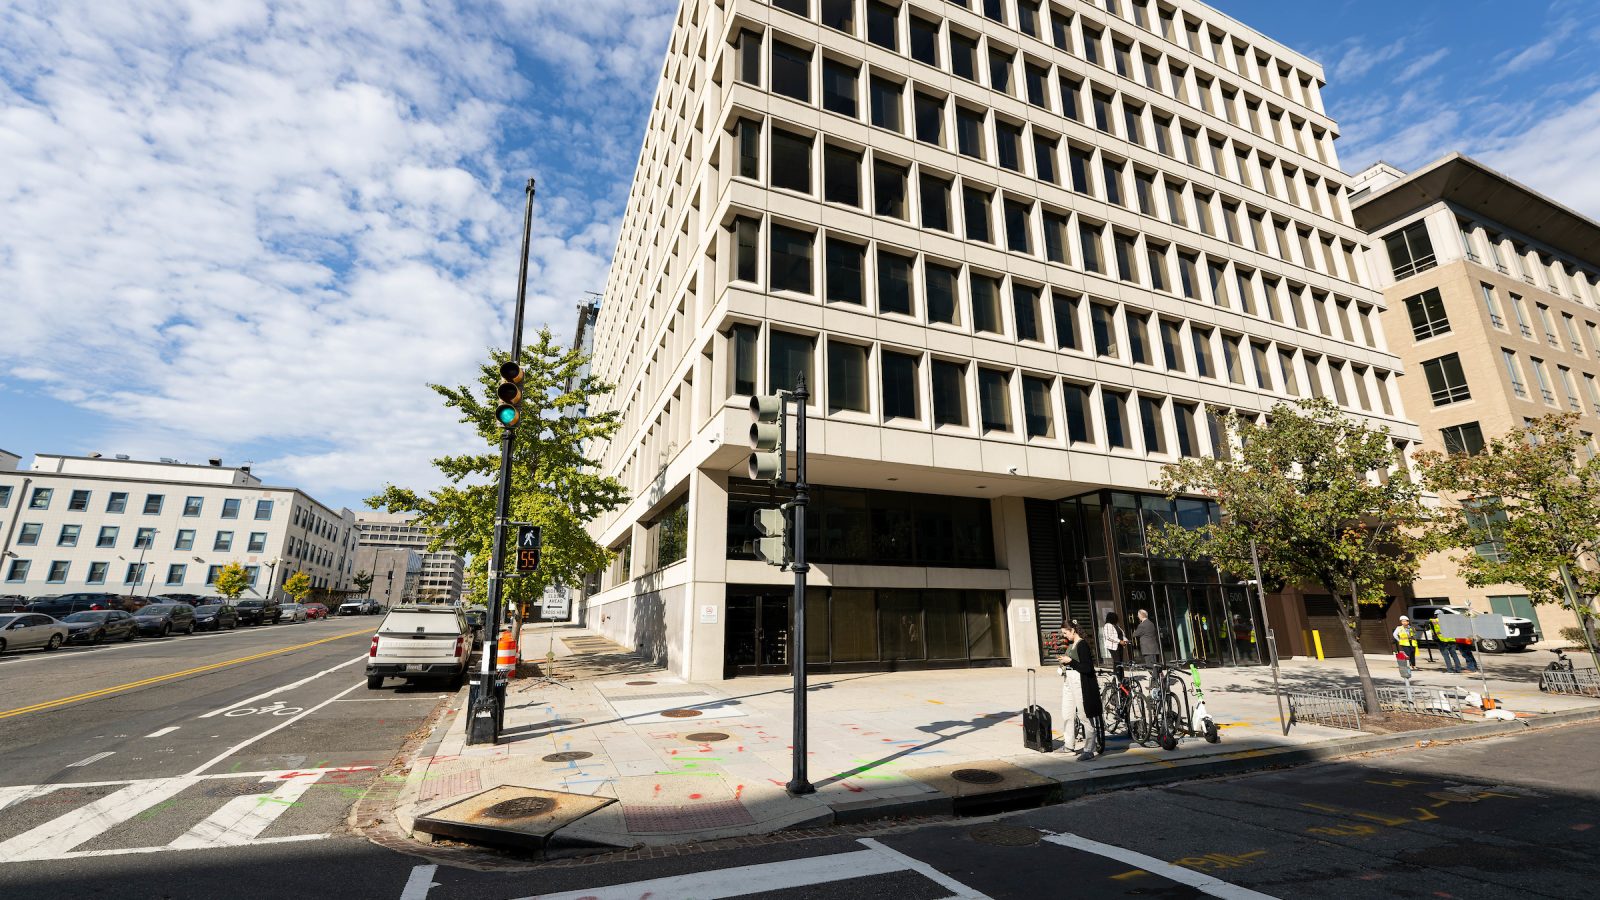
<point>1205,884</point>
<point>719,883</point>
<point>59,835</point>
<point>962,892</point>
<point>242,819</point>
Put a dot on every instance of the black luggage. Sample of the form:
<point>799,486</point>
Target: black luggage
<point>1036,734</point>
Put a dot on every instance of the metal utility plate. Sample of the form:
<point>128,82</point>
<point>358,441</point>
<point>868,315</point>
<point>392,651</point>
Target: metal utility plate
<point>493,816</point>
<point>1011,778</point>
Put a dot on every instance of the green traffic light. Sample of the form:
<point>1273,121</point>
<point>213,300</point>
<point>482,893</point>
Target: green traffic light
<point>507,415</point>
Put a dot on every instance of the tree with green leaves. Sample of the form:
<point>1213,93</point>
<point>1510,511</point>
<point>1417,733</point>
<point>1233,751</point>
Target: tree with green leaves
<point>1311,493</point>
<point>553,485</point>
<point>363,582</point>
<point>232,581</point>
<point>297,586</point>
<point>1527,512</point>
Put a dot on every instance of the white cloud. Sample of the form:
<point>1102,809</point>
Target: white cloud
<point>240,224</point>
<point>1422,64</point>
<point>1558,156</point>
<point>1359,60</point>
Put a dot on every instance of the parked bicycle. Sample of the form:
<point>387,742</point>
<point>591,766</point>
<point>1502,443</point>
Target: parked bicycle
<point>1166,706</point>
<point>1123,705</point>
<point>1560,664</point>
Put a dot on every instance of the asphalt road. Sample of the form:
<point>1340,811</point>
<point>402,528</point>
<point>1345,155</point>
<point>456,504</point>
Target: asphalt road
<point>1510,817</point>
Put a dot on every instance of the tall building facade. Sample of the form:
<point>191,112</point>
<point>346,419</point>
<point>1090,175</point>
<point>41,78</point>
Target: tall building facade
<point>1493,302</point>
<point>438,574</point>
<point>88,523</point>
<point>1017,250</point>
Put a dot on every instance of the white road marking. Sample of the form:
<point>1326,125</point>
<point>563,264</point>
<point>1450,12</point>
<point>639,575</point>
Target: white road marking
<point>736,882</point>
<point>278,690</point>
<point>962,892</point>
<point>420,882</point>
<point>167,730</point>
<point>289,839</point>
<point>242,819</point>
<point>95,758</point>
<point>1200,881</point>
<point>59,835</point>
<point>284,724</point>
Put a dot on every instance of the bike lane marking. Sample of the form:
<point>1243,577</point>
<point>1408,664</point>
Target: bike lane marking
<point>1200,881</point>
<point>278,727</point>
<point>157,679</point>
<point>278,690</point>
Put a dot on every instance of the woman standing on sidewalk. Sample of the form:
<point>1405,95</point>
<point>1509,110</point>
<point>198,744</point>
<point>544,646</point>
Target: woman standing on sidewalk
<point>1111,639</point>
<point>1080,695</point>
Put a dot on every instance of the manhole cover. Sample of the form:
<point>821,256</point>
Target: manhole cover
<point>681,713</point>
<point>520,808</point>
<point>977,776</point>
<point>244,789</point>
<point>638,683</point>
<point>568,756</point>
<point>1004,835</point>
<point>705,737</point>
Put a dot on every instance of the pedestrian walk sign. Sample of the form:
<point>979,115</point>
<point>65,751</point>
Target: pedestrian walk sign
<point>528,545</point>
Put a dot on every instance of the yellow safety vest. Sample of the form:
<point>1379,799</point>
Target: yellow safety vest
<point>1408,636</point>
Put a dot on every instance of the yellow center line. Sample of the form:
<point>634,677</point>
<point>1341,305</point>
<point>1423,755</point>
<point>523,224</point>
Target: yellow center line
<point>102,692</point>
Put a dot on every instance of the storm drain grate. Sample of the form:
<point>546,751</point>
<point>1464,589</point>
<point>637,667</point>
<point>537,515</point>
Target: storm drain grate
<point>520,808</point>
<point>977,776</point>
<point>240,789</point>
<point>1004,835</point>
<point>568,756</point>
<point>705,737</point>
<point>681,713</point>
<point>691,817</point>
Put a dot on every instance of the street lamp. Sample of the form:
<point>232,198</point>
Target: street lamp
<point>272,576</point>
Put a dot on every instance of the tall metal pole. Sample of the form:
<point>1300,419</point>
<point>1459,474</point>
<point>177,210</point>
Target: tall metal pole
<point>1272,640</point>
<point>800,784</point>
<point>486,709</point>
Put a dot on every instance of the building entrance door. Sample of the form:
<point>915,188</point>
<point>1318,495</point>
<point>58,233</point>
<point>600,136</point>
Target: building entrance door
<point>758,633</point>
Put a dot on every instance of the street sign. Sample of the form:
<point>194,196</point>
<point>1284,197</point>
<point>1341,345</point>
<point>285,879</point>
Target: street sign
<point>556,602</point>
<point>1490,625</point>
<point>527,548</point>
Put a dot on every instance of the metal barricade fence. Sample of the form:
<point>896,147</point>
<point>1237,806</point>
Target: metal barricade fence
<point>1442,702</point>
<point>1336,709</point>
<point>1584,682</point>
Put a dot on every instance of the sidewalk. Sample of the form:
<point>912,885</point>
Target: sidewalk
<point>693,762</point>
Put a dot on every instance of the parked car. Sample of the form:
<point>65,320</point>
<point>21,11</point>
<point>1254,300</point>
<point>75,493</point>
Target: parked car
<point>1519,631</point>
<point>20,631</point>
<point>360,608</point>
<point>420,642</point>
<point>478,619</point>
<point>215,617</point>
<point>191,599</point>
<point>13,603</point>
<point>162,619</point>
<point>293,612</point>
<point>96,626</point>
<point>258,612</point>
<point>66,604</point>
<point>316,611</point>
<point>132,603</point>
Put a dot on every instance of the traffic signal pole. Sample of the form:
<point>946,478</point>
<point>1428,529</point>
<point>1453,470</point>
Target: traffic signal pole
<point>800,784</point>
<point>486,706</point>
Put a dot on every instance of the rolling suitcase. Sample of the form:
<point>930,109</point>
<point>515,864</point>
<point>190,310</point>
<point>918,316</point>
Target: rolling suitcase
<point>1036,734</point>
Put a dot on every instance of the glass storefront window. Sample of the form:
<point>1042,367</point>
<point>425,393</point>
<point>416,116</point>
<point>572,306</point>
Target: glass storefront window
<point>986,625</point>
<point>943,625</point>
<point>900,625</point>
<point>855,629</point>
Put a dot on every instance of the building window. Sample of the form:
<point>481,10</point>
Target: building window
<point>1036,415</point>
<point>949,393</point>
<point>1188,433</point>
<point>68,536</point>
<point>935,201</point>
<point>5,495</point>
<point>77,502</point>
<point>1150,421</point>
<point>1070,91</point>
<point>1065,310</point>
<point>18,570</point>
<point>899,385</point>
<point>40,498</point>
<point>841,177</point>
<point>1446,382</point>
<point>230,509</point>
<point>1102,323</point>
<point>994,399</point>
<point>1089,237</point>
<point>839,14</point>
<point>97,573</point>
<point>1025,309</point>
<point>107,538</point>
<point>258,542</point>
<point>1044,158</point>
<point>975,210</point>
<point>969,132</point>
<point>1080,428</point>
<point>985,291</point>
<point>999,70</point>
<point>939,282</point>
<point>1138,336</point>
<point>175,573</point>
<point>1111,173</point>
<point>28,536</point>
<point>185,540</point>
<point>144,538</point>
<point>847,377</point>
<point>1231,360</point>
<point>1410,250</point>
<point>791,71</point>
<point>1035,79</point>
<point>1172,344</point>
<point>789,357</point>
<point>672,534</point>
<point>1055,236</point>
<point>1156,261</point>
<point>886,99</point>
<point>842,267</point>
<point>798,7</point>
<point>223,541</point>
<point>1008,145</point>
<point>881,28</point>
<point>791,161</point>
<point>924,41</point>
<point>1200,338</point>
<point>1115,406</point>
<point>964,56</point>
<point>790,265</point>
<point>1018,236</point>
<point>1123,250</point>
<point>1466,439</point>
<point>929,113</point>
<point>1078,169</point>
<point>211,575</point>
<point>134,574</point>
<point>894,283</point>
<point>192,505</point>
<point>839,87</point>
<point>263,510</point>
<point>889,189</point>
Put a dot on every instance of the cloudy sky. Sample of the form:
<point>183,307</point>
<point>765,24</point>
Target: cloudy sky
<point>255,229</point>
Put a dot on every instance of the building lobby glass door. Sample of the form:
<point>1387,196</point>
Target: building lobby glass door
<point>758,633</point>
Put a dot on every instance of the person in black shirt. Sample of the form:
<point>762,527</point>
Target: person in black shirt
<point>1080,694</point>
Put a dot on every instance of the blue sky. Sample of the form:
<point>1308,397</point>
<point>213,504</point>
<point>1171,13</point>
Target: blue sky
<point>256,228</point>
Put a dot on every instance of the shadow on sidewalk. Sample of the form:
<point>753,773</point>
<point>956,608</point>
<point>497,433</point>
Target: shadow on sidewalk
<point>987,720</point>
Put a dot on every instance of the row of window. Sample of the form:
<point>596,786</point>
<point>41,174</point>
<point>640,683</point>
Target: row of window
<point>846,270</point>
<point>59,569</point>
<point>928,389</point>
<point>1410,250</point>
<point>1447,381</point>
<point>29,533</point>
<point>117,502</point>
<point>1429,319</point>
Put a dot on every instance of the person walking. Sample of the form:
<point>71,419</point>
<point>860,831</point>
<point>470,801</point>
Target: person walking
<point>1148,641</point>
<point>1080,696</point>
<point>1405,638</point>
<point>1447,648</point>
<point>1111,639</point>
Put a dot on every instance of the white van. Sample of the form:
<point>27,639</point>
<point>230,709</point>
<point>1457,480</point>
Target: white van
<point>420,642</point>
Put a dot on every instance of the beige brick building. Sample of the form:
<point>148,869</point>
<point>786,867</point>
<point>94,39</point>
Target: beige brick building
<point>1493,302</point>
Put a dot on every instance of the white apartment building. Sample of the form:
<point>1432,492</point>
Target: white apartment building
<point>88,523</point>
<point>438,576</point>
<point>1017,250</point>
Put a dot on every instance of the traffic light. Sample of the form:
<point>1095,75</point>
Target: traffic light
<point>771,548</point>
<point>766,438</point>
<point>510,394</point>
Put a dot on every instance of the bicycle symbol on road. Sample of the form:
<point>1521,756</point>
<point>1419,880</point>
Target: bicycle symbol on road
<point>274,709</point>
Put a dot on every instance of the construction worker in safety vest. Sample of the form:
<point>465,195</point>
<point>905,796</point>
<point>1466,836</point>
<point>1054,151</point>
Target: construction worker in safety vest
<point>1447,648</point>
<point>1405,638</point>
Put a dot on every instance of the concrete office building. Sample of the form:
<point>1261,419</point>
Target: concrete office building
<point>88,523</point>
<point>396,574</point>
<point>1017,249</point>
<point>439,574</point>
<point>1493,296</point>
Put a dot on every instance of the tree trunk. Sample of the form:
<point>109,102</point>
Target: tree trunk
<point>1352,635</point>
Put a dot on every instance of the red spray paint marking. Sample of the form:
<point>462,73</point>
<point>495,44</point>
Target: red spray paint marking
<point>852,788</point>
<point>776,782</point>
<point>738,791</point>
<point>694,796</point>
<point>657,792</point>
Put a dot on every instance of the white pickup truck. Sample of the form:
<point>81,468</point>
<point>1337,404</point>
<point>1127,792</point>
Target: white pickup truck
<point>420,642</point>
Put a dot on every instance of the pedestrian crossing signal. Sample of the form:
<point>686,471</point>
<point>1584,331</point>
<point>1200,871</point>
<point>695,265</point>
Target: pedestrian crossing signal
<point>528,547</point>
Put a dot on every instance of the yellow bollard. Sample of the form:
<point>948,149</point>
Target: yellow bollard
<point>1316,638</point>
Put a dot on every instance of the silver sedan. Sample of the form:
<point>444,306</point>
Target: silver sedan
<point>293,612</point>
<point>21,631</point>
